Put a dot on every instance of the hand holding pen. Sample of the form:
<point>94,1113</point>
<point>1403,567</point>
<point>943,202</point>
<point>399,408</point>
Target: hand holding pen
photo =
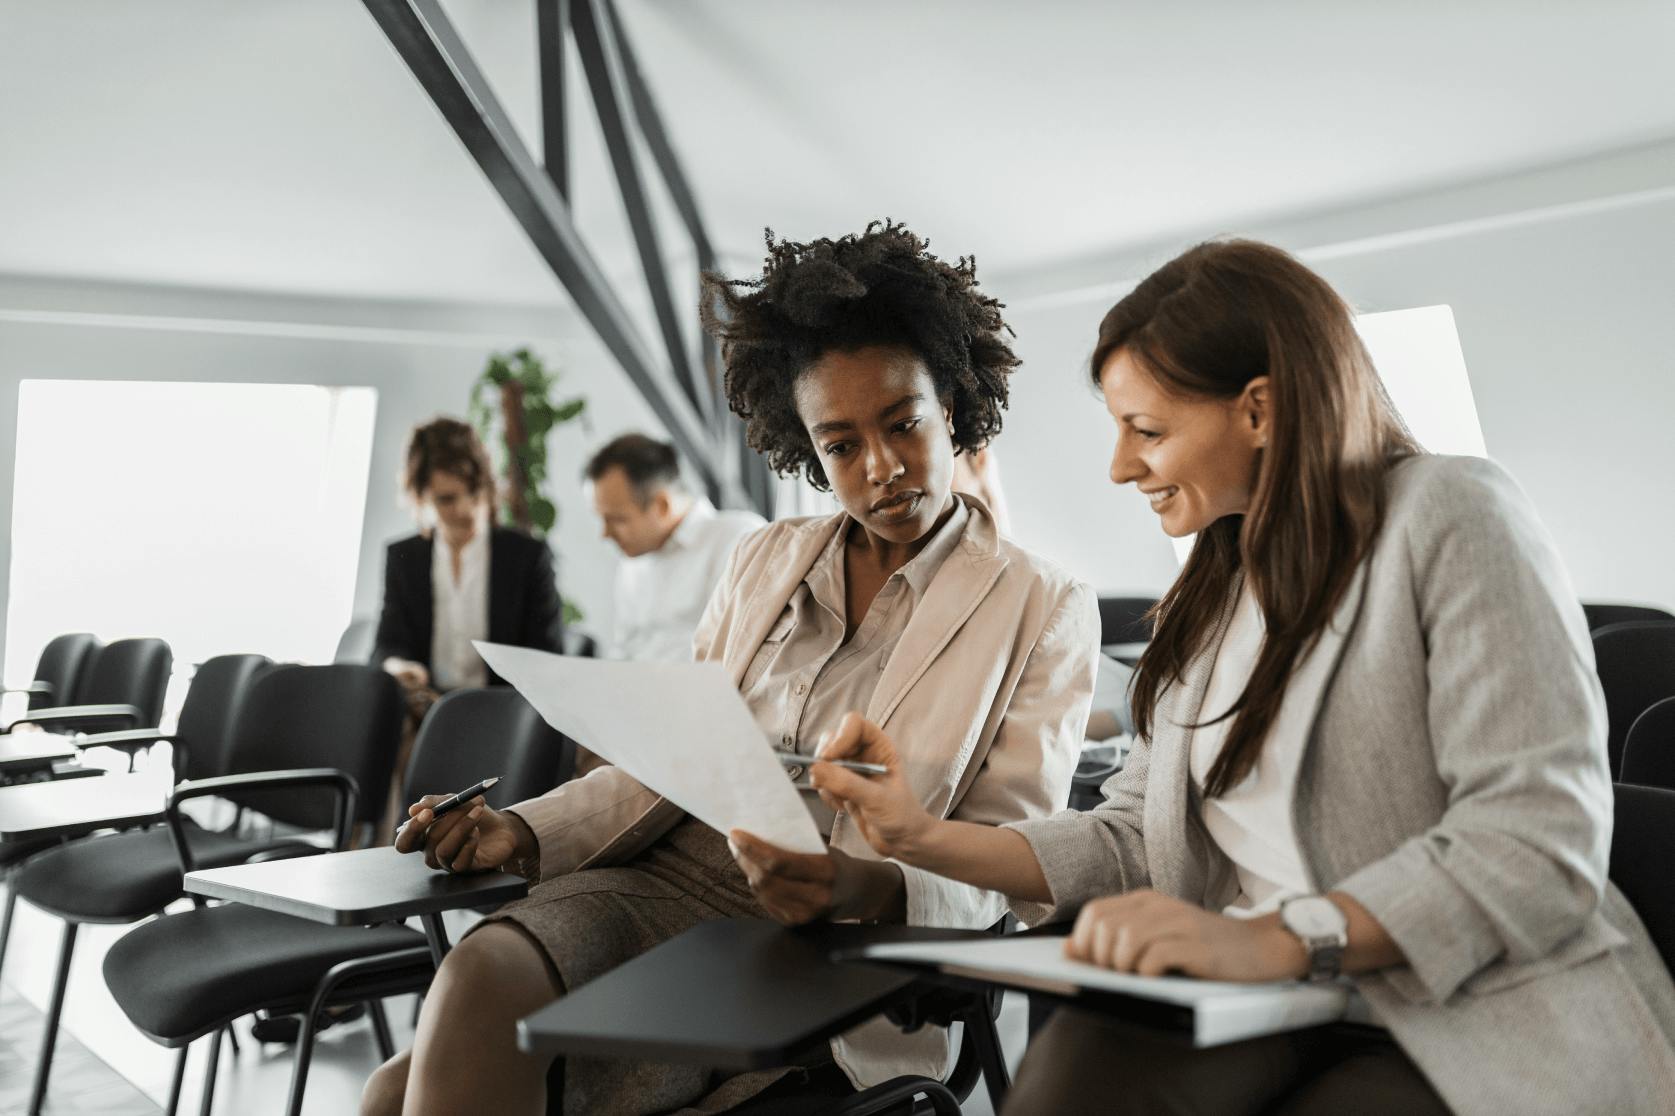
<point>884,807</point>
<point>461,833</point>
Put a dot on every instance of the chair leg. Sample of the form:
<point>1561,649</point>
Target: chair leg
<point>179,1079</point>
<point>6,924</point>
<point>207,1104</point>
<point>305,1054</point>
<point>381,1029</point>
<point>43,1067</point>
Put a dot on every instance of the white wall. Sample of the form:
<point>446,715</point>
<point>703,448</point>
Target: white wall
<point>421,359</point>
<point>1562,283</point>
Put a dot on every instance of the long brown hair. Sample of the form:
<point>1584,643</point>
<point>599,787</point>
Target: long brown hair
<point>1204,325</point>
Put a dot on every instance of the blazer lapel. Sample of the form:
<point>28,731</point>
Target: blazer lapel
<point>424,598</point>
<point>503,610</point>
<point>773,593</point>
<point>958,588</point>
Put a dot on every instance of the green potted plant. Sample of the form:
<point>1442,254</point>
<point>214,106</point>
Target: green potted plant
<point>515,394</point>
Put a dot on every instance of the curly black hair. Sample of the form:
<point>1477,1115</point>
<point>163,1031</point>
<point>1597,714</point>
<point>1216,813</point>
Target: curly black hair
<point>881,287</point>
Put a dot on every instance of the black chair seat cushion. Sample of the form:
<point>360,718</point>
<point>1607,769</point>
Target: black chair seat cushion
<point>14,851</point>
<point>178,976</point>
<point>125,876</point>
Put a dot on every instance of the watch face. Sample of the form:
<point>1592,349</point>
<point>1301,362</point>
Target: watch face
<point>1314,917</point>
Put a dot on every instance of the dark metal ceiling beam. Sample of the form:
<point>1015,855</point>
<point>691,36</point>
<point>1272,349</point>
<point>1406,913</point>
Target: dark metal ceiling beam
<point>552,20</point>
<point>427,42</point>
<point>596,42</point>
<point>657,140</point>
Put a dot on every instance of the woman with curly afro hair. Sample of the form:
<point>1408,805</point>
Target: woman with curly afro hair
<point>865,364</point>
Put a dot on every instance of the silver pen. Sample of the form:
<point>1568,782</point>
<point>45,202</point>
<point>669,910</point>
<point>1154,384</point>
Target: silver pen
<point>792,759</point>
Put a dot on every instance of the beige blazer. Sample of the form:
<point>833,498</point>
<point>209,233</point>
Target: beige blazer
<point>1455,783</point>
<point>986,696</point>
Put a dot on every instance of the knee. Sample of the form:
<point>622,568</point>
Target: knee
<point>497,971</point>
<point>386,1089</point>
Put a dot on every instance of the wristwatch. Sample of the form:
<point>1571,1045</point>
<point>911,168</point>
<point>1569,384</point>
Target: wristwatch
<point>1324,931</point>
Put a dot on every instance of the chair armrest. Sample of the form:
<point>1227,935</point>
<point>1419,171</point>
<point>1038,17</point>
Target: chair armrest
<point>81,714</point>
<point>32,688</point>
<point>126,738</point>
<point>231,786</point>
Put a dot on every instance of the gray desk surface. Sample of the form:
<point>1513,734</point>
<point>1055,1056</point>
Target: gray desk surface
<point>736,994</point>
<point>354,888</point>
<point>73,807</point>
<point>32,751</point>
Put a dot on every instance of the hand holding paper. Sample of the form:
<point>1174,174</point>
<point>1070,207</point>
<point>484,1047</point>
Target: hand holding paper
<point>680,729</point>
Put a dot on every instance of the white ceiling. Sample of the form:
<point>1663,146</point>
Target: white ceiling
<point>284,146</point>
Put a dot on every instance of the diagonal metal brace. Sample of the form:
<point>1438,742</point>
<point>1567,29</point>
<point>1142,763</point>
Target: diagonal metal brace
<point>431,48</point>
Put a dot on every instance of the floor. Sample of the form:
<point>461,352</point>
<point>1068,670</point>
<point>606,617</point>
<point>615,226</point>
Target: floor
<point>105,1068</point>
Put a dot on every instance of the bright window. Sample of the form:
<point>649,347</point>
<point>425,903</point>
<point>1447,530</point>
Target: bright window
<point>219,517</point>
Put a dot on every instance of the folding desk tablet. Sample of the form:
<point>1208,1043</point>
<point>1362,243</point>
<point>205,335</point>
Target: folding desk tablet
<point>741,994</point>
<point>67,808</point>
<point>359,888</point>
<point>24,752</point>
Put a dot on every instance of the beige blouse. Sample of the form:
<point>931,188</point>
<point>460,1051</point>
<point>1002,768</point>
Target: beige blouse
<point>804,678</point>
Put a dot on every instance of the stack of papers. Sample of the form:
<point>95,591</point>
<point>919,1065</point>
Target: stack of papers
<point>1207,1012</point>
<point>680,729</point>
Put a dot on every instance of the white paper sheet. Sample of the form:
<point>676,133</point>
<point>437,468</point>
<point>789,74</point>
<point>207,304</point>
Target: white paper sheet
<point>1223,1011</point>
<point>681,729</point>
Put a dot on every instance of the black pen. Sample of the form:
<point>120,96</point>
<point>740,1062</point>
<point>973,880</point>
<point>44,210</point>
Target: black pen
<point>448,805</point>
<point>454,802</point>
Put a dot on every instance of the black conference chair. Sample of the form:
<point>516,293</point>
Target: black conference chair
<point>1122,620</point>
<point>1636,665</point>
<point>289,965</point>
<point>1599,614</point>
<point>121,687</point>
<point>274,716</point>
<point>1642,844</point>
<point>57,669</point>
<point>471,734</point>
<point>124,877</point>
<point>1649,748</point>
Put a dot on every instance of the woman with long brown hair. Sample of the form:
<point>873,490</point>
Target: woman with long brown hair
<point>1371,743</point>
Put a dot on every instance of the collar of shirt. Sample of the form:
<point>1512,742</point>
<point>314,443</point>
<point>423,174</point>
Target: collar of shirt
<point>825,577</point>
<point>686,531</point>
<point>473,557</point>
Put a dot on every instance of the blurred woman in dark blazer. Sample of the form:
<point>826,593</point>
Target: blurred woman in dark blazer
<point>460,578</point>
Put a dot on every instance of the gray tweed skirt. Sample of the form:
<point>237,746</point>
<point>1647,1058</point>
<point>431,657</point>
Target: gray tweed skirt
<point>591,921</point>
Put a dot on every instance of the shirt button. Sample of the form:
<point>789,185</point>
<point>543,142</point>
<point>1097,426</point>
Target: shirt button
<point>787,740</point>
<point>802,686</point>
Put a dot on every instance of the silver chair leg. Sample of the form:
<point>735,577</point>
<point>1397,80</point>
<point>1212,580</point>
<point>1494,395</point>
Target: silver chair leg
<point>43,1067</point>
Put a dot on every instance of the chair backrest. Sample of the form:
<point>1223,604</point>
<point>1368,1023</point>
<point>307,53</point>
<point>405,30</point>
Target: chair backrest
<point>472,734</point>
<point>1636,665</point>
<point>345,716</point>
<point>61,664</point>
<point>1642,846</point>
<point>207,715</point>
<point>357,642</point>
<point>1649,748</point>
<point>1600,614</point>
<point>128,672</point>
<point>1123,619</point>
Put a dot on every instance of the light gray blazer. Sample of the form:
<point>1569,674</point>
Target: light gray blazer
<point>1455,784</point>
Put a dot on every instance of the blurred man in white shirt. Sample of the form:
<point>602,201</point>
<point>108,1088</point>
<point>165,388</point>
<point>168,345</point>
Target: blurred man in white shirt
<point>674,543</point>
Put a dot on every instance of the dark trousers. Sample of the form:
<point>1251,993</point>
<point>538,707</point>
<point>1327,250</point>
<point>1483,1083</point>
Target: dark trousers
<point>1083,1063</point>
